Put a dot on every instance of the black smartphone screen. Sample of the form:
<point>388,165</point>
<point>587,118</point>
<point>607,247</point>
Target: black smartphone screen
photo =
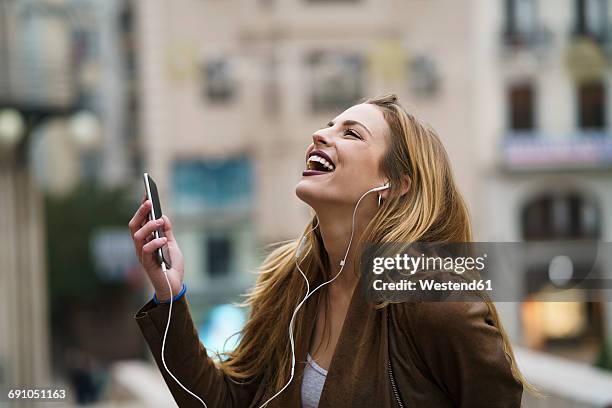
<point>156,212</point>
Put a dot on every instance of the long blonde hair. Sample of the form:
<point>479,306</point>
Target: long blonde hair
<point>432,210</point>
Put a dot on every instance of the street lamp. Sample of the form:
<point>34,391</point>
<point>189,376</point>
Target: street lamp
<point>12,128</point>
<point>85,130</point>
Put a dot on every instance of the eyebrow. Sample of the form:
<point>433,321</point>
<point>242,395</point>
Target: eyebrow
<point>350,122</point>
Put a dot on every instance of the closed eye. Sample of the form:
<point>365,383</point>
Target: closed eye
<point>352,133</point>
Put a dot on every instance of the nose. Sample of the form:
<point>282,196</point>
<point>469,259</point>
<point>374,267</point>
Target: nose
<point>318,139</point>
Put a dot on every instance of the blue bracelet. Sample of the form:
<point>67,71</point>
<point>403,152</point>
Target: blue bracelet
<point>174,299</point>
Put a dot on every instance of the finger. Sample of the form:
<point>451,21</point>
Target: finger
<point>139,217</point>
<point>154,245</point>
<point>166,255</point>
<point>168,228</point>
<point>148,229</point>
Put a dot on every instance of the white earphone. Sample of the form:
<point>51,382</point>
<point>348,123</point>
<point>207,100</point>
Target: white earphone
<point>383,187</point>
<point>309,293</point>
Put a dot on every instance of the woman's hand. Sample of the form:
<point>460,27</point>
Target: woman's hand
<point>146,246</point>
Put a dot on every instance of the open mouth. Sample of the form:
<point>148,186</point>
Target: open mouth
<point>318,163</point>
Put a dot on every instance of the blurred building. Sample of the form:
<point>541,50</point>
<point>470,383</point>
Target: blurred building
<point>34,86</point>
<point>517,89</point>
<point>80,52</point>
<point>542,110</point>
<point>65,110</point>
<point>97,143</point>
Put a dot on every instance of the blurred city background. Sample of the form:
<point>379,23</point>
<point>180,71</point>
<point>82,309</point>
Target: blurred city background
<point>217,100</point>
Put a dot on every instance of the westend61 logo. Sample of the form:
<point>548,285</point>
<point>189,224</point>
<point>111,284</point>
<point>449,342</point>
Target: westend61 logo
<point>500,271</point>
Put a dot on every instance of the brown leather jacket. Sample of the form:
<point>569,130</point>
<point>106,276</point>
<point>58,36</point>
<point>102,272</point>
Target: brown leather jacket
<point>445,354</point>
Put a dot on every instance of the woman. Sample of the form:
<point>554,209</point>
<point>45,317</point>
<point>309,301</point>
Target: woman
<point>349,353</point>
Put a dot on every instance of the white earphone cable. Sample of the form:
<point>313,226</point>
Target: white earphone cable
<point>308,294</point>
<point>297,308</point>
<point>163,266</point>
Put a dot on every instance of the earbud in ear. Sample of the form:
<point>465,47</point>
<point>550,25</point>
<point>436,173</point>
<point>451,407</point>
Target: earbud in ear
<point>383,187</point>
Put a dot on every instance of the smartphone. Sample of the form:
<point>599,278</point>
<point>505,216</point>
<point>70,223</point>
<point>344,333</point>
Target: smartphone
<point>155,214</point>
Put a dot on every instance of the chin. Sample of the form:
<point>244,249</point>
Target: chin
<point>306,192</point>
<point>318,195</point>
<point>312,194</point>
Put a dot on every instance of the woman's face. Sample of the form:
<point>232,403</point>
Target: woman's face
<point>343,162</point>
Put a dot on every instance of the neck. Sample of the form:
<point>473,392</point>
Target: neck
<point>336,226</point>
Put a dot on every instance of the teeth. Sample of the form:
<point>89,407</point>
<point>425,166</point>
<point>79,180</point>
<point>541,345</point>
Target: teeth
<point>321,160</point>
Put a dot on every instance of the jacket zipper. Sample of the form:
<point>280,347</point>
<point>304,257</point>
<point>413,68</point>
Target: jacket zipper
<point>394,386</point>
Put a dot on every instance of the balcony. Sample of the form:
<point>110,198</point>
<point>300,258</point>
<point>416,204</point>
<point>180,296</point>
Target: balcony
<point>538,41</point>
<point>534,151</point>
<point>36,57</point>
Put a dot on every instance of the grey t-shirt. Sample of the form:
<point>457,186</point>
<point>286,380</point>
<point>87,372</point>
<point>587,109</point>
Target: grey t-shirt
<point>312,383</point>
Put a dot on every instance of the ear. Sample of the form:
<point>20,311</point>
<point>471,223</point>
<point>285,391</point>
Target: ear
<point>406,184</point>
<point>404,188</point>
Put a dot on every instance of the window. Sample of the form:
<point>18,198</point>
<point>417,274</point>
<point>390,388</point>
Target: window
<point>213,204</point>
<point>423,75</point>
<point>218,81</point>
<point>520,19</point>
<point>591,99</point>
<point>561,216</point>
<point>521,107</point>
<point>591,18</point>
<point>219,255</point>
<point>213,185</point>
<point>336,80</point>
<point>550,325</point>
